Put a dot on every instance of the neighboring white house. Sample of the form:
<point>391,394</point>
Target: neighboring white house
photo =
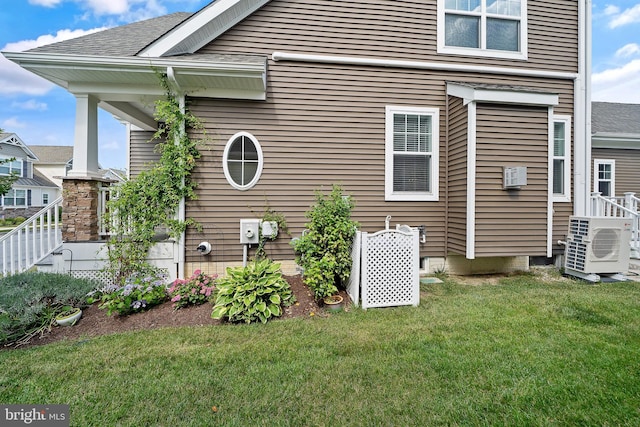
<point>32,190</point>
<point>54,161</point>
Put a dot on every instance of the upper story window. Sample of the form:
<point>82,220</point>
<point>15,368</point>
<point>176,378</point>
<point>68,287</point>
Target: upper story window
<point>7,168</point>
<point>496,28</point>
<point>561,158</point>
<point>242,161</point>
<point>411,154</point>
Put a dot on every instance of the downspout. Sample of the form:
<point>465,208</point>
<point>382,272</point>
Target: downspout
<point>582,112</point>
<point>182,206</point>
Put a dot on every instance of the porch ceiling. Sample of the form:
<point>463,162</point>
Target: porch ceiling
<point>128,86</point>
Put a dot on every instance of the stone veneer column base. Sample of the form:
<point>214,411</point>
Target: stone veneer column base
<point>80,208</point>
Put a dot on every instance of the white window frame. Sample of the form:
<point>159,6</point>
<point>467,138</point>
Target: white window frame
<point>596,175</point>
<point>566,120</point>
<point>522,54</point>
<point>225,165</point>
<point>45,196</point>
<point>390,194</point>
<point>17,170</point>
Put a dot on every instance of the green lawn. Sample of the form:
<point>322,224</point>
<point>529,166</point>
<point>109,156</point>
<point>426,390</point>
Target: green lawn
<point>521,352</point>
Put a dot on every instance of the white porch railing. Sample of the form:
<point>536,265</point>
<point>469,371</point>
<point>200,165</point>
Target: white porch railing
<point>32,241</point>
<point>621,207</point>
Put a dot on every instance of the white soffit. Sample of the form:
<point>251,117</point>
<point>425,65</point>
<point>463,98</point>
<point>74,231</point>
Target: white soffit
<point>203,27</point>
<point>501,95</point>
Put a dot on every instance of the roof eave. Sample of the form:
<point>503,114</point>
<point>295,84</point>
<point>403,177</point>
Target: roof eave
<point>202,27</point>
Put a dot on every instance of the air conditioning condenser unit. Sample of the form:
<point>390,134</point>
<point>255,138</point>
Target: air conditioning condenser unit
<point>597,246</point>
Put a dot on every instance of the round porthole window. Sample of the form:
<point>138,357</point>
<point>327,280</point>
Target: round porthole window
<point>242,161</point>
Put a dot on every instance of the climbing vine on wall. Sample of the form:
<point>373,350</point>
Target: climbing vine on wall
<point>148,203</point>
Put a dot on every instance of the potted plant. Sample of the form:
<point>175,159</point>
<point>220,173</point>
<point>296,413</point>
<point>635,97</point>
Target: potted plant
<point>324,249</point>
<point>69,316</point>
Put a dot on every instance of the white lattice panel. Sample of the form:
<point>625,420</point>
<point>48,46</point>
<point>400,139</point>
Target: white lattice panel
<point>353,285</point>
<point>390,269</point>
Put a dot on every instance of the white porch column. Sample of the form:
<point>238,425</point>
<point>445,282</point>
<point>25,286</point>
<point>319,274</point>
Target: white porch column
<point>85,145</point>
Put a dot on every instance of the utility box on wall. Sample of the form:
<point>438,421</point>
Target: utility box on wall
<point>249,231</point>
<point>514,177</point>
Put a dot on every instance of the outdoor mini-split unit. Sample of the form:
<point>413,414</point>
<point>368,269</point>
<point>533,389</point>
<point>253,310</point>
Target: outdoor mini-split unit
<point>598,246</point>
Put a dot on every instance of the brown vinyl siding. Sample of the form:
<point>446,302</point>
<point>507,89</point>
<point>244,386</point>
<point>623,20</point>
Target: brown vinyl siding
<point>511,222</point>
<point>324,123</point>
<point>404,30</point>
<point>627,173</point>
<point>457,176</point>
<point>141,151</point>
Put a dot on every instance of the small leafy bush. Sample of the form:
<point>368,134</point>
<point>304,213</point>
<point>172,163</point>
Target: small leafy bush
<point>30,301</point>
<point>195,290</point>
<point>255,292</point>
<point>324,250</point>
<point>138,293</point>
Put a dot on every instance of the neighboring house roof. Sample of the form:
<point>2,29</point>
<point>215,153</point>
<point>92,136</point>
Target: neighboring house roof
<point>615,125</point>
<point>38,180</point>
<point>13,139</point>
<point>53,154</point>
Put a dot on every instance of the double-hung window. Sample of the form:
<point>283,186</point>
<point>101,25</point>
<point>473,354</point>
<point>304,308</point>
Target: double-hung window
<point>561,158</point>
<point>411,153</point>
<point>604,171</point>
<point>496,28</point>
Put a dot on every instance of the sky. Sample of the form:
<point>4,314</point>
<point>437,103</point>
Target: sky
<point>41,113</point>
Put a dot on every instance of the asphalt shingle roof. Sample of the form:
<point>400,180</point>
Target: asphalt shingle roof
<point>126,40</point>
<point>58,154</point>
<point>610,117</point>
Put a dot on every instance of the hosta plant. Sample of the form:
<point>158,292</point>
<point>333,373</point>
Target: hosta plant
<point>255,292</point>
<point>195,290</point>
<point>138,293</point>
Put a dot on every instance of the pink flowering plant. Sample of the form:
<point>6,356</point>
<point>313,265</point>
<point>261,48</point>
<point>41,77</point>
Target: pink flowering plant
<point>195,290</point>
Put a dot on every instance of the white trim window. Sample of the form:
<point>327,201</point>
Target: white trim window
<point>242,161</point>
<point>15,198</point>
<point>411,153</point>
<point>494,28</point>
<point>561,158</point>
<point>604,177</point>
<point>13,167</point>
<point>45,199</point>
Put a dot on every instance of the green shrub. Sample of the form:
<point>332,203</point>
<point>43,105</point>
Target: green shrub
<point>30,301</point>
<point>255,292</point>
<point>324,250</point>
<point>19,220</point>
<point>138,293</point>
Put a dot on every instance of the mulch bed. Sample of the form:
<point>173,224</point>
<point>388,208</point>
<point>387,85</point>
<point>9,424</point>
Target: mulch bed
<point>95,322</point>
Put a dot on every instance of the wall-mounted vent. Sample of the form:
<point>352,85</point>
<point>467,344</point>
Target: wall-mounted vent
<point>514,177</point>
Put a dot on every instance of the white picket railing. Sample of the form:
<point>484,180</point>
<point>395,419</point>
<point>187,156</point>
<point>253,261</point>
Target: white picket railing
<point>621,207</point>
<point>33,240</point>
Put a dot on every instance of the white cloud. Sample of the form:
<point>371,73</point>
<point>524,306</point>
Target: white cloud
<point>628,50</point>
<point>620,84</point>
<point>17,80</point>
<point>45,3</point>
<point>611,10</point>
<point>13,123</point>
<point>30,105</point>
<point>111,145</point>
<point>629,16</point>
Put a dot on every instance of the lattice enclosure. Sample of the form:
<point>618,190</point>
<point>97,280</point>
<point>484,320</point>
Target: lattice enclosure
<point>390,269</point>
